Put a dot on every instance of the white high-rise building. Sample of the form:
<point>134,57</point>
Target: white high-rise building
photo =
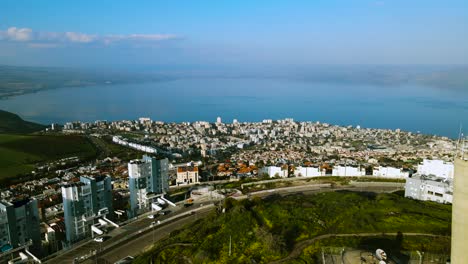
<point>84,203</point>
<point>147,177</point>
<point>218,120</point>
<point>19,223</point>
<point>235,121</point>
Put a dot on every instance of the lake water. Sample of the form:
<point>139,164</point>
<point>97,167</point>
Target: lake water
<point>413,108</point>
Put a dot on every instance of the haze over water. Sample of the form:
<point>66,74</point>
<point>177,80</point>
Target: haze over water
<point>408,107</point>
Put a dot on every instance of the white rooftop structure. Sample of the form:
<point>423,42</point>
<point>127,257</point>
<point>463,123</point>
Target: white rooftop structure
<point>438,168</point>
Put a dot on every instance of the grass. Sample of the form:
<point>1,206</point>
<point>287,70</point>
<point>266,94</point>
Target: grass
<point>116,150</point>
<point>19,154</point>
<point>267,230</point>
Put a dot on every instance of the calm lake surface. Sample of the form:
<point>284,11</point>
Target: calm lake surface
<point>413,108</point>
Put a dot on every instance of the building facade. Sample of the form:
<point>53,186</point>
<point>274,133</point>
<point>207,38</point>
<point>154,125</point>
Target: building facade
<point>429,188</point>
<point>187,175</point>
<point>147,177</point>
<point>85,202</point>
<point>389,172</point>
<point>307,172</point>
<point>19,224</point>
<point>274,171</point>
<point>348,171</point>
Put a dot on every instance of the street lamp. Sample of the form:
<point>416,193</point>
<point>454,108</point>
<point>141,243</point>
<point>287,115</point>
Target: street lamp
<point>152,225</point>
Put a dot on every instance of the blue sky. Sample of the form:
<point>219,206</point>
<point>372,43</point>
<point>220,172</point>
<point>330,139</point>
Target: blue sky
<point>209,32</point>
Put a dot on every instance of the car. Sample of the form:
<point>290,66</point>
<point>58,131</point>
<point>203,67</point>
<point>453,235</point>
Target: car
<point>126,260</point>
<point>99,239</point>
<point>151,216</point>
<point>165,212</point>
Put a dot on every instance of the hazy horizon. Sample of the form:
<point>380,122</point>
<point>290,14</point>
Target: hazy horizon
<point>233,34</point>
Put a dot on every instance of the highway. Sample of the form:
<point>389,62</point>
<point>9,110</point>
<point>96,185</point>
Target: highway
<point>137,236</point>
<point>135,229</point>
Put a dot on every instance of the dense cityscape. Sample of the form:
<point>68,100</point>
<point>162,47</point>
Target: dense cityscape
<point>72,200</point>
<point>233,132</point>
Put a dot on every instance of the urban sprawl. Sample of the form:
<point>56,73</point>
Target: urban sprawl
<point>84,200</point>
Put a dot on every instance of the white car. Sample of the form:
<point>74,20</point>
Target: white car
<point>151,216</point>
<point>99,239</point>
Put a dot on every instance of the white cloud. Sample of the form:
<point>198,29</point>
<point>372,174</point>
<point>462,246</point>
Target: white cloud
<point>49,39</point>
<point>18,34</point>
<point>79,37</point>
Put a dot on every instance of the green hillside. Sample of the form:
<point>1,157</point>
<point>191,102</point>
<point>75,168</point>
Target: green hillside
<point>19,154</point>
<point>263,231</point>
<point>12,123</point>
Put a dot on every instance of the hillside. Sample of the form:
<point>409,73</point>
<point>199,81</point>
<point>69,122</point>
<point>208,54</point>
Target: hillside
<point>21,154</point>
<point>12,123</point>
<point>263,231</point>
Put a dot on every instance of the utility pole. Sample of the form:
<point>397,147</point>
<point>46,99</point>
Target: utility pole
<point>229,245</point>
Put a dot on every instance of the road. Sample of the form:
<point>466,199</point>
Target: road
<point>134,237</point>
<point>135,228</point>
<point>377,187</point>
<point>144,241</point>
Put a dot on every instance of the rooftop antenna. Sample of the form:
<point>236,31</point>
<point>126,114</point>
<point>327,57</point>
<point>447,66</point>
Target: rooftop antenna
<point>460,143</point>
<point>463,148</point>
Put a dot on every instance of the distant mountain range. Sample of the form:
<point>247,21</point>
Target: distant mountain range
<point>18,80</point>
<point>15,80</point>
<point>12,124</point>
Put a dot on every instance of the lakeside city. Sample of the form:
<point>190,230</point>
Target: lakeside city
<point>146,173</point>
<point>233,132</point>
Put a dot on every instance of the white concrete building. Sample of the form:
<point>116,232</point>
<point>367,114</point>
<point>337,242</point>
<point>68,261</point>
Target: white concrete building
<point>84,203</point>
<point>389,172</point>
<point>438,168</point>
<point>273,171</point>
<point>121,141</point>
<point>347,171</point>
<point>147,177</point>
<point>429,188</point>
<point>307,172</point>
